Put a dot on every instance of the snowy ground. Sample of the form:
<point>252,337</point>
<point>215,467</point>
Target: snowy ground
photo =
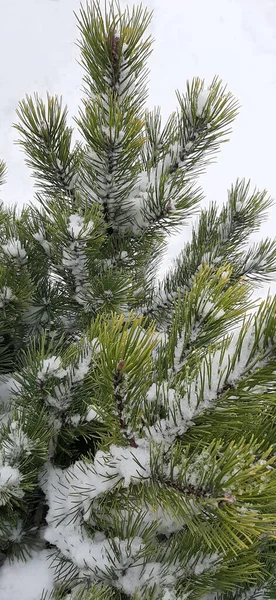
<point>232,38</point>
<point>235,39</point>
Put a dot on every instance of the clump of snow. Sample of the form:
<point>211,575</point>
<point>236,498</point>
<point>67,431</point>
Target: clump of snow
<point>152,393</point>
<point>14,249</point>
<point>202,100</point>
<point>132,464</point>
<point>91,415</point>
<point>9,476</point>
<point>9,388</point>
<point>188,146</point>
<point>204,564</point>
<point>9,483</point>
<point>171,595</point>
<point>178,351</point>
<point>16,443</point>
<point>98,556</point>
<point>51,366</point>
<point>16,532</point>
<point>61,399</point>
<point>238,205</point>
<point>74,259</point>
<point>163,394</point>
<point>83,365</point>
<point>210,308</point>
<point>197,470</point>
<point>75,419</point>
<point>167,522</point>
<point>77,226</point>
<point>22,580</point>
<point>83,481</point>
<point>201,393</point>
<point>131,580</point>
<point>38,236</point>
<point>6,295</point>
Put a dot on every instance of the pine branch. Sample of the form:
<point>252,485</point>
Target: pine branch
<point>46,140</point>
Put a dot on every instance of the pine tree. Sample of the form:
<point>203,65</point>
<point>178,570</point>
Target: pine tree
<point>137,417</point>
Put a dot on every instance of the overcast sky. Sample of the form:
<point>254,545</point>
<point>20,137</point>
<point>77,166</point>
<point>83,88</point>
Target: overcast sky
<point>235,39</point>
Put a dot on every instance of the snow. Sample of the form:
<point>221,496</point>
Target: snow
<point>151,393</point>
<point>71,492</point>
<point>85,482</point>
<point>202,100</point>
<point>8,388</point>
<point>171,595</point>
<point>77,226</point>
<point>238,205</point>
<point>163,395</point>
<point>61,399</point>
<point>91,414</point>
<point>6,295</point>
<point>167,523</point>
<point>26,580</point>
<point>51,367</point>
<point>75,419</point>
<point>14,249</point>
<point>9,476</point>
<point>201,393</point>
<point>178,351</point>
<point>15,532</point>
<point>243,359</point>
<point>83,365</point>
<point>44,243</point>
<point>188,146</point>
<point>133,464</point>
<point>205,564</point>
<point>196,470</point>
<point>74,258</point>
<point>16,442</point>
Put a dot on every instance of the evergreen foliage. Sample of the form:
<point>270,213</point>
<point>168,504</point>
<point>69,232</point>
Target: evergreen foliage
<point>137,418</point>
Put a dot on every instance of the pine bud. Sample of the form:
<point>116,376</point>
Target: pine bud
<point>120,365</point>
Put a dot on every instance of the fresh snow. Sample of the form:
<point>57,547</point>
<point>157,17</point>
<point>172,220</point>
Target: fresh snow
<point>191,403</point>
<point>22,580</point>
<point>8,388</point>
<point>202,100</point>
<point>6,295</point>
<point>77,226</point>
<point>44,243</point>
<point>14,249</point>
<point>91,415</point>
<point>51,367</point>
<point>9,477</point>
<point>16,442</point>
